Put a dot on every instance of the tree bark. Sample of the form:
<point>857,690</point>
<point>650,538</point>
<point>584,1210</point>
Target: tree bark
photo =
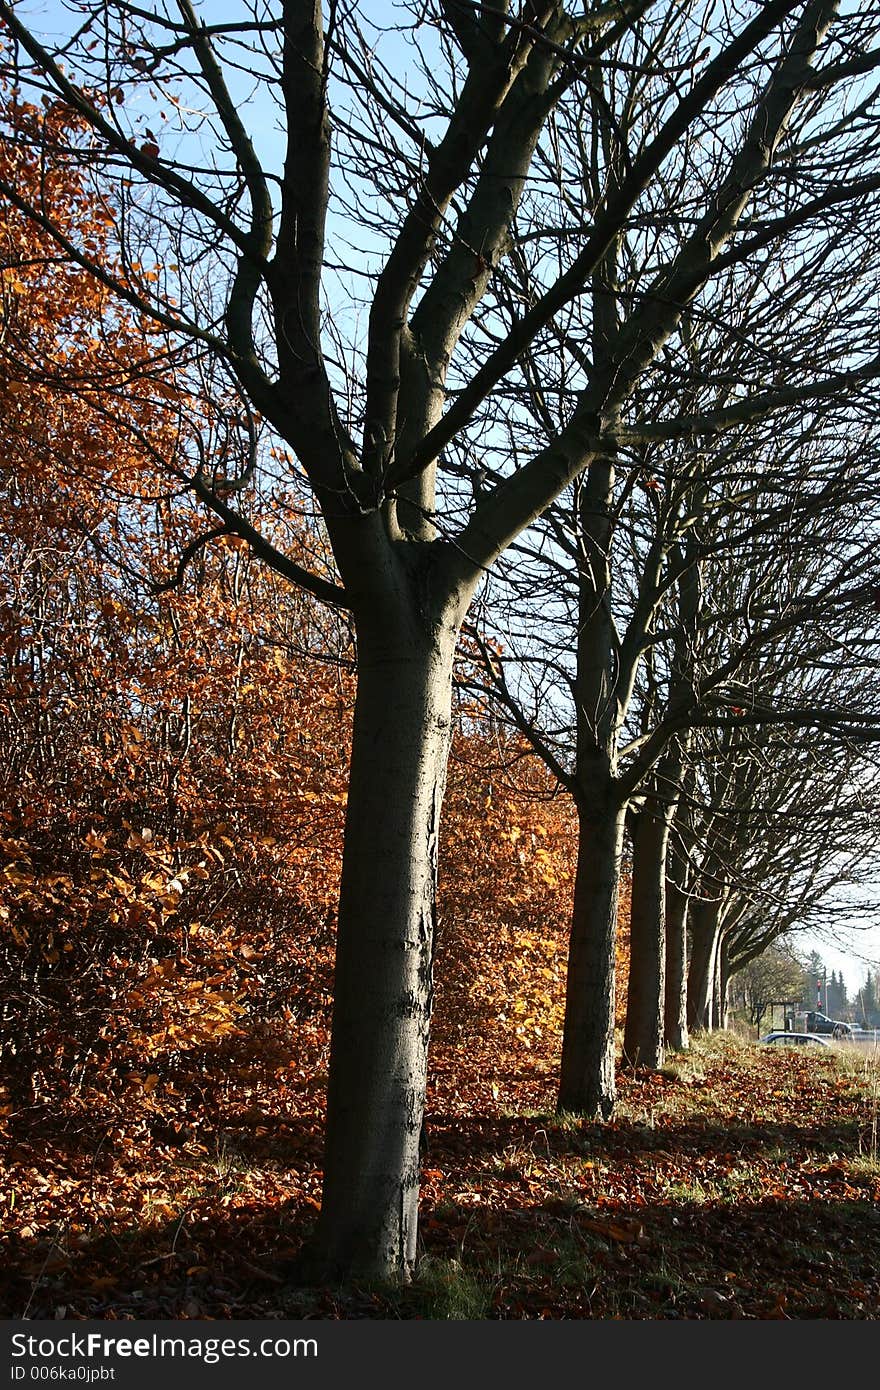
<point>676,955</point>
<point>384,954</point>
<point>643,1041</point>
<point>587,1082</point>
<point>705,925</point>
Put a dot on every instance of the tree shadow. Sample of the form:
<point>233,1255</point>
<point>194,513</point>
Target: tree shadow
<point>677,1259</point>
<point>198,1207</point>
<point>680,1259</point>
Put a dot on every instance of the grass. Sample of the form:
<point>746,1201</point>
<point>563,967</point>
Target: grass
<point>447,1289</point>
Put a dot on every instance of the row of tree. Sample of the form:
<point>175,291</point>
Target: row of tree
<point>554,326</point>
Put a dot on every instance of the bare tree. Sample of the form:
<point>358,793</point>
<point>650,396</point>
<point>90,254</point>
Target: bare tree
<point>785,665</point>
<point>789,824</point>
<point>346,284</point>
<point>739,550</point>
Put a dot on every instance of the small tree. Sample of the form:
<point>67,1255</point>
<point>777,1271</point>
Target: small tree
<point>775,976</point>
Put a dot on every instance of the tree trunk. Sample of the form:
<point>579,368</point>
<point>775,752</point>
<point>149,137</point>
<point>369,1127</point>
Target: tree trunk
<point>705,919</point>
<point>384,954</point>
<point>722,981</point>
<point>676,955</point>
<point>587,1082</point>
<point>643,1042</point>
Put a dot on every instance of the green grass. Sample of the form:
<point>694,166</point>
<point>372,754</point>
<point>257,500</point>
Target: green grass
<point>447,1289</point>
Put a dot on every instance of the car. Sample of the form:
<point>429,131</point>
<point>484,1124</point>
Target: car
<point>821,1023</point>
<point>792,1039</point>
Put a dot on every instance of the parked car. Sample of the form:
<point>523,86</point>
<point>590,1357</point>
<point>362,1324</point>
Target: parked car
<point>792,1039</point>
<point>821,1023</point>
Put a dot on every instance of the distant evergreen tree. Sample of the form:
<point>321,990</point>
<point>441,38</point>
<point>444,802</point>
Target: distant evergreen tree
<point>814,972</point>
<point>866,1002</point>
<point>837,996</point>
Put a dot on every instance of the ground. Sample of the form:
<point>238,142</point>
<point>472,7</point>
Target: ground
<point>737,1183</point>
